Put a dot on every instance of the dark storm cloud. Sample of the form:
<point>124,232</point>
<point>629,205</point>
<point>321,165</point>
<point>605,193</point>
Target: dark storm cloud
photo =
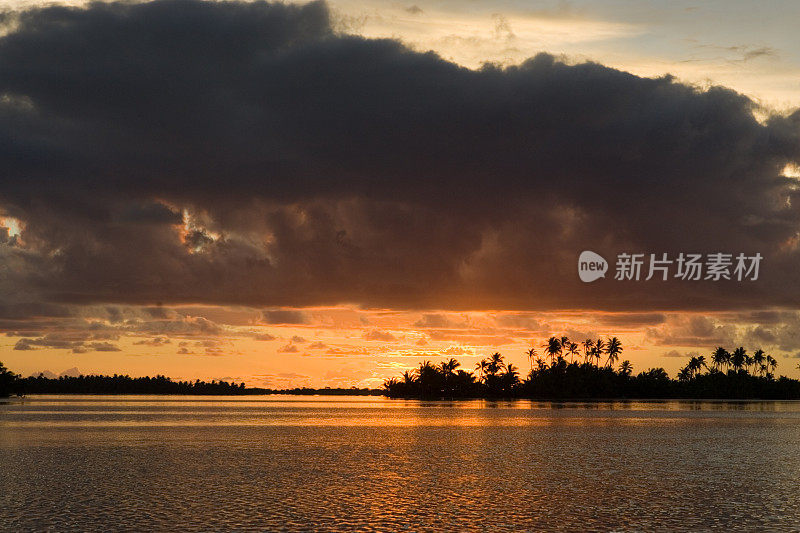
<point>183,151</point>
<point>150,213</point>
<point>33,310</point>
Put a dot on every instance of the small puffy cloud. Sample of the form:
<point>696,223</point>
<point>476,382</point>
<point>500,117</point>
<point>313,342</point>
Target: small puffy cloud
<point>289,348</point>
<point>284,316</point>
<point>519,321</point>
<point>350,350</point>
<point>46,374</point>
<point>457,350</point>
<point>155,341</point>
<point>676,353</point>
<point>71,372</point>
<point>104,347</point>
<point>378,335</point>
<point>24,344</point>
<point>207,347</point>
<point>186,326</point>
<point>439,321</point>
<point>62,342</point>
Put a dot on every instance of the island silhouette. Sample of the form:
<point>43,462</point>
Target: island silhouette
<point>566,370</point>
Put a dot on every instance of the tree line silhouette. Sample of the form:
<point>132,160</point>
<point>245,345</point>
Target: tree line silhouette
<point>11,383</point>
<point>122,384</point>
<point>568,370</point>
<point>7,381</point>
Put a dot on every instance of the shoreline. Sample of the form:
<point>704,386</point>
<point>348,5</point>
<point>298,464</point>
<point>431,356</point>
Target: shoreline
<point>419,399</point>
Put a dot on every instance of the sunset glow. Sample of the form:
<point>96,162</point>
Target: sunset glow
<point>364,185</point>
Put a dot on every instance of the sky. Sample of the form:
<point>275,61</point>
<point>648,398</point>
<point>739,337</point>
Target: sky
<point>312,194</point>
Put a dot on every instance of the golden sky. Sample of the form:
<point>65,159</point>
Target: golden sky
<point>349,346</point>
<point>306,196</point>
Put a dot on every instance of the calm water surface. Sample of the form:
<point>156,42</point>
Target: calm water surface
<point>285,463</point>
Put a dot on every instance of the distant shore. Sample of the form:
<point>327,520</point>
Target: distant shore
<point>247,392</point>
<point>14,385</point>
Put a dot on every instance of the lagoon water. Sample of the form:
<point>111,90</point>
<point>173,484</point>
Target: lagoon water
<point>288,463</point>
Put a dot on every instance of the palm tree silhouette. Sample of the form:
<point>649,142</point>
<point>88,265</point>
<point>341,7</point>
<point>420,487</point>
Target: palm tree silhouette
<point>510,377</point>
<point>599,350</point>
<point>449,367</point>
<point>552,348</point>
<point>613,349</point>
<point>588,349</point>
<point>626,368</point>
<point>481,366</point>
<point>759,361</point>
<point>738,358</point>
<point>701,360</point>
<point>720,357</point>
<point>495,364</point>
<point>694,365</point>
<point>572,350</point>
<point>565,342</point>
<point>531,356</point>
<point>772,364</point>
<point>448,371</point>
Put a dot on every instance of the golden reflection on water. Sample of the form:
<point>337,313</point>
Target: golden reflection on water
<point>372,464</point>
<point>320,411</point>
<point>303,401</point>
